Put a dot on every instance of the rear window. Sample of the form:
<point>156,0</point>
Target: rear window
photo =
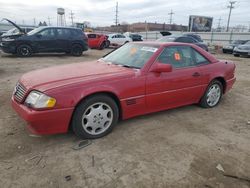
<point>77,32</point>
<point>92,36</point>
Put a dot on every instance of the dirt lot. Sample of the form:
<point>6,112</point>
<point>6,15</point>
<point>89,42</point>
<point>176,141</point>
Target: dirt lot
<point>175,148</point>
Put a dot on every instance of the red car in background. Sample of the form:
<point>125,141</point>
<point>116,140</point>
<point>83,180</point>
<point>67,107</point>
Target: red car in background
<point>97,41</point>
<point>136,79</point>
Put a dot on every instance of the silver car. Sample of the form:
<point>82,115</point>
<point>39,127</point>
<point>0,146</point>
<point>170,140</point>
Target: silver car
<point>243,50</point>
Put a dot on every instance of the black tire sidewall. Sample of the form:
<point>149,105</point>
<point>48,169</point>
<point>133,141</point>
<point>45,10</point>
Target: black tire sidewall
<point>76,48</point>
<point>203,101</point>
<point>76,122</point>
<point>107,44</point>
<point>24,46</point>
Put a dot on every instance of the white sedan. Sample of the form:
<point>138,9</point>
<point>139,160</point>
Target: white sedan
<point>117,39</point>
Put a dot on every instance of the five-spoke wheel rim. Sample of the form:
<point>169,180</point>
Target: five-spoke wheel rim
<point>97,118</point>
<point>25,51</point>
<point>213,95</point>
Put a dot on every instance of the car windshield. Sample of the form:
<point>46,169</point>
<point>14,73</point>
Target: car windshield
<point>237,42</point>
<point>166,39</point>
<point>247,43</point>
<point>34,31</point>
<point>131,55</point>
<point>12,31</point>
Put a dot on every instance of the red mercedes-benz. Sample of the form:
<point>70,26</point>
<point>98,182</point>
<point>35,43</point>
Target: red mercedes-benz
<point>136,79</point>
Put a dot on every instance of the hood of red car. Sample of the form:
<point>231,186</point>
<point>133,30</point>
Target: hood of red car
<point>57,76</point>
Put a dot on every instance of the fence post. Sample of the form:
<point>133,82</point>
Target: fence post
<point>212,36</point>
<point>231,36</point>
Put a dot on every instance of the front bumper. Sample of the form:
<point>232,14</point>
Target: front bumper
<point>229,84</point>
<point>227,50</point>
<point>242,52</point>
<point>44,122</point>
<point>8,47</point>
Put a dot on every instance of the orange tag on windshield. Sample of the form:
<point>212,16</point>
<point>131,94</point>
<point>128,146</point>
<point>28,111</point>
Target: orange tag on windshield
<point>133,51</point>
<point>177,56</point>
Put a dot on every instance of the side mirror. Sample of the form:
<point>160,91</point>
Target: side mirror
<point>160,67</point>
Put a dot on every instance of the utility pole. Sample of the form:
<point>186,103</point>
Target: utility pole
<point>171,16</point>
<point>230,10</point>
<point>116,14</point>
<point>49,18</point>
<point>219,21</point>
<point>71,17</point>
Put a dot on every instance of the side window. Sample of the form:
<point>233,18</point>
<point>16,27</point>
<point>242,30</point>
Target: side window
<point>177,56</point>
<point>63,32</point>
<point>199,59</point>
<point>48,32</point>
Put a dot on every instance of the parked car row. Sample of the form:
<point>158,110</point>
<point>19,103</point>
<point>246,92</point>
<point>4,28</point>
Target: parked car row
<point>238,48</point>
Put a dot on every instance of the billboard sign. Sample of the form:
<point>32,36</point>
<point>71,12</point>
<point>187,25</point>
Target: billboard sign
<point>200,23</point>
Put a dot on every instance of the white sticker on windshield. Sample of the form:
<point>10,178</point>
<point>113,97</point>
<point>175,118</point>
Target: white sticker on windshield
<point>149,49</point>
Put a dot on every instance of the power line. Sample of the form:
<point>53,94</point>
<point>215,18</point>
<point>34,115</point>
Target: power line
<point>116,14</point>
<point>171,16</point>
<point>230,10</point>
<point>71,16</point>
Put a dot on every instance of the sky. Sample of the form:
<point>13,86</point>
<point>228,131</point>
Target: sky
<point>102,12</point>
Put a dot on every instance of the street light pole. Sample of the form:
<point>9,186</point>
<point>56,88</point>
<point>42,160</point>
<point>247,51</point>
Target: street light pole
<point>230,10</point>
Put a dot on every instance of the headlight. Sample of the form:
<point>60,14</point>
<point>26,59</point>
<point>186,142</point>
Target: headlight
<point>37,99</point>
<point>7,39</point>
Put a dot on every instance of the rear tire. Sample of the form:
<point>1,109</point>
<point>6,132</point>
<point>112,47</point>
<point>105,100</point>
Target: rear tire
<point>95,117</point>
<point>107,44</point>
<point>24,50</point>
<point>102,46</point>
<point>76,50</point>
<point>213,94</point>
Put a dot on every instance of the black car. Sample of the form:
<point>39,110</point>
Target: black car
<point>195,36</point>
<point>46,39</point>
<point>134,36</point>
<point>184,39</point>
<point>230,48</point>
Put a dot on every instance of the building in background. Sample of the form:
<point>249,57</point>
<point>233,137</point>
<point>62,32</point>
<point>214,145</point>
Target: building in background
<point>143,26</point>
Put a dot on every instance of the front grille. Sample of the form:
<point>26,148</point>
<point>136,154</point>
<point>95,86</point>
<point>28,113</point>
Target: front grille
<point>19,92</point>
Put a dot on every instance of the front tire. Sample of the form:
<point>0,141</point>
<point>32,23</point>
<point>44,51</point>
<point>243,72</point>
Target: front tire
<point>213,94</point>
<point>76,50</point>
<point>236,55</point>
<point>95,117</point>
<point>24,50</point>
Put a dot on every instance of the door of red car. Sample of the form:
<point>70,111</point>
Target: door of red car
<point>176,88</point>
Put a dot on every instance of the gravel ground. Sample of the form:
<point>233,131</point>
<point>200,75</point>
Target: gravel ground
<point>174,148</point>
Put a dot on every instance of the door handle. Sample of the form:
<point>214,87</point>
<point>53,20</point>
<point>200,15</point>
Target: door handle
<point>196,74</point>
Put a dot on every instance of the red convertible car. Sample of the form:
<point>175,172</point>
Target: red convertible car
<point>137,78</point>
